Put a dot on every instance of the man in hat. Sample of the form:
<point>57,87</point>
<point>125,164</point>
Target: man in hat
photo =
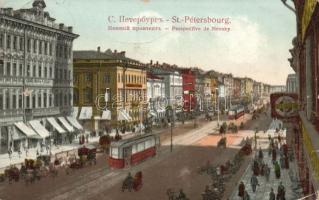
<point>272,195</point>
<point>281,192</point>
<point>241,189</point>
<point>254,182</point>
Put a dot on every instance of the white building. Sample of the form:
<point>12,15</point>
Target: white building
<point>156,95</point>
<point>35,76</point>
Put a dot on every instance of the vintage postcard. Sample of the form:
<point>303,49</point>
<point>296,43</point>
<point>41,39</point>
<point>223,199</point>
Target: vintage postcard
<point>159,99</point>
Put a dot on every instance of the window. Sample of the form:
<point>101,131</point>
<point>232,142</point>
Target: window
<point>76,96</point>
<point>7,99</point>
<point>28,70</point>
<point>20,101</point>
<point>40,71</point>
<point>1,68</point>
<point>50,100</point>
<point>1,100</point>
<point>141,146</point>
<point>50,71</point>
<point>45,71</point>
<point>87,95</point>
<point>33,101</point>
<point>8,72</point>
<point>40,47</point>
<point>39,99</point>
<point>107,78</point>
<point>21,44</point>
<point>14,69</point>
<point>50,49</point>
<point>29,45</point>
<point>45,48</point>
<point>65,74</point>
<point>8,41</point>
<point>1,40</point>
<point>34,46</point>
<point>115,152</point>
<point>14,100</point>
<point>21,70</point>
<point>118,78</point>
<point>34,70</point>
<point>65,99</point>
<point>65,52</point>
<point>88,77</point>
<point>45,100</point>
<point>15,40</point>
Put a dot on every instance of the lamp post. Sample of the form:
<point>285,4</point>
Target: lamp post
<point>217,100</point>
<point>171,111</point>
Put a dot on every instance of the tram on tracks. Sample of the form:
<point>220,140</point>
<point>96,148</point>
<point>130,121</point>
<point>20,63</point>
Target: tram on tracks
<point>131,151</point>
<point>236,112</point>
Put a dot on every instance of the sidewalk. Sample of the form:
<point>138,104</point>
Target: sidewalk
<point>262,192</point>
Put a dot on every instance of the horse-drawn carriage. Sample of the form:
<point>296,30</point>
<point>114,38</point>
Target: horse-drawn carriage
<point>222,142</point>
<point>12,173</point>
<point>133,183</point>
<point>87,155</point>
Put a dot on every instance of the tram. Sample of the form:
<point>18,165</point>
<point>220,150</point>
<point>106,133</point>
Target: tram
<point>236,112</point>
<point>131,151</point>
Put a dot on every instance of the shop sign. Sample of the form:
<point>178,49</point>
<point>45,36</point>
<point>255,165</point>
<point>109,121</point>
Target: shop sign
<point>133,85</point>
<point>312,153</point>
<point>308,10</point>
<point>284,106</point>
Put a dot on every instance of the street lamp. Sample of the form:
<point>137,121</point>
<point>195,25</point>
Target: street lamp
<point>171,115</point>
<point>217,100</point>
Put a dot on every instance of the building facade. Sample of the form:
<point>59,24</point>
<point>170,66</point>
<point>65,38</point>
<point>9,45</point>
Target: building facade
<point>189,98</point>
<point>125,81</point>
<point>277,88</point>
<point>35,71</point>
<point>291,83</point>
<point>157,101</point>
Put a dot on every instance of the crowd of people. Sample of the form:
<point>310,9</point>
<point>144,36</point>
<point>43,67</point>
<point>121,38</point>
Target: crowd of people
<point>260,168</point>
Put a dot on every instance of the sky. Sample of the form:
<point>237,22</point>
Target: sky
<point>256,46</point>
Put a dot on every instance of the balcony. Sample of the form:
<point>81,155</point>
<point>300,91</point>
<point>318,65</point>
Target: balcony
<point>37,112</point>
<point>10,80</point>
<point>10,116</point>
<point>38,82</point>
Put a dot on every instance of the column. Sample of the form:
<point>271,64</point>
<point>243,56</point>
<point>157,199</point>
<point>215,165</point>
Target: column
<point>36,93</point>
<point>48,97</point>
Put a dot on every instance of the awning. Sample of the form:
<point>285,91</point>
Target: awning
<point>121,116</point>
<point>86,113</point>
<point>127,116</point>
<point>39,128</point>
<point>106,114</point>
<point>55,124</point>
<point>26,130</point>
<point>74,122</point>
<point>75,112</point>
<point>66,124</point>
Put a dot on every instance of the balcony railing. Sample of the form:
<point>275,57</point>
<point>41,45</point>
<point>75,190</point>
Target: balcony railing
<point>11,80</point>
<point>10,116</point>
<point>38,82</point>
<point>45,111</point>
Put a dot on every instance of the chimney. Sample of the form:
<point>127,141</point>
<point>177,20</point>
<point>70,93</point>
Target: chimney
<point>61,26</point>
<point>98,49</point>
<point>70,29</point>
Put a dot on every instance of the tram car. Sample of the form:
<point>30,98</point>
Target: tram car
<point>236,112</point>
<point>131,151</point>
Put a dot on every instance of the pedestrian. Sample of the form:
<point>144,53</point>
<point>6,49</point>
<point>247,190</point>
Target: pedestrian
<point>254,182</point>
<point>277,170</point>
<point>182,195</point>
<point>87,138</point>
<point>272,195</point>
<point>286,161</point>
<point>256,168</point>
<point>246,196</point>
<point>281,192</point>
<point>260,154</point>
<point>282,162</point>
<point>9,153</point>
<point>37,152</point>
<point>241,190</point>
<point>267,172</point>
<point>274,155</point>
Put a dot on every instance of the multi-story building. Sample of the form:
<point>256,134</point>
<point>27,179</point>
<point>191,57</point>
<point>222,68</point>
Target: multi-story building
<point>228,82</point>
<point>304,62</point>
<point>35,76</point>
<point>237,89</point>
<point>291,83</point>
<point>157,101</point>
<point>124,79</point>
<point>188,90</point>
